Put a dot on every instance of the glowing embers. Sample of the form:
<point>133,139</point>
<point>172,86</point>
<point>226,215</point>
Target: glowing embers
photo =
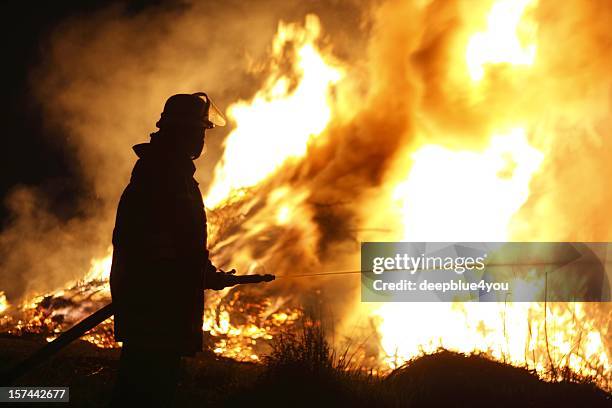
<point>240,327</point>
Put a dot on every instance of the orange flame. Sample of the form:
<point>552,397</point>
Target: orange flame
<point>509,38</point>
<point>4,305</point>
<point>282,118</point>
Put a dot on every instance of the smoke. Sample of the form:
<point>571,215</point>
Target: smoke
<point>572,104</point>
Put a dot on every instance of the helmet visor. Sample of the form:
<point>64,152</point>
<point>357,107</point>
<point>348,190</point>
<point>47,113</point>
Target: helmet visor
<point>214,115</point>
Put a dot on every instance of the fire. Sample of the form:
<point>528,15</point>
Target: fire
<point>513,333</point>
<point>282,118</point>
<point>451,195</point>
<point>467,195</point>
<point>461,196</point>
<point>3,302</point>
<point>256,326</point>
<point>239,330</point>
<point>440,192</point>
<point>509,38</point>
<point>100,267</point>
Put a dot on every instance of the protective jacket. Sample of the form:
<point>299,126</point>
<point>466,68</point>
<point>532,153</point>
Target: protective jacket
<point>160,260</point>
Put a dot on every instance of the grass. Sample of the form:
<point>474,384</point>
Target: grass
<point>303,371</point>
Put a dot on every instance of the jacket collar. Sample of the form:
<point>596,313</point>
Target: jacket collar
<point>154,159</point>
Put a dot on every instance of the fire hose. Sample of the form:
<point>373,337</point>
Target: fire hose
<point>89,323</point>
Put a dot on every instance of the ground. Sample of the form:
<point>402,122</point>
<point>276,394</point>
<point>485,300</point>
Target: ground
<point>300,374</point>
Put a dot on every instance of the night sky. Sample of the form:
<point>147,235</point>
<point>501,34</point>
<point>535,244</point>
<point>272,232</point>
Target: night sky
<point>32,155</point>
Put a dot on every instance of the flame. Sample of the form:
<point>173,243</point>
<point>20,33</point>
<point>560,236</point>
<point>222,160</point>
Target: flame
<point>100,267</point>
<point>509,38</point>
<point>513,333</point>
<point>282,118</point>
<point>467,195</point>
<point>239,329</point>
<point>473,196</point>
<point>4,305</point>
<point>460,196</point>
<point>240,340</point>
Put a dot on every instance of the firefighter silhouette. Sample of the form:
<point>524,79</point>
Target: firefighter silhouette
<point>160,263</point>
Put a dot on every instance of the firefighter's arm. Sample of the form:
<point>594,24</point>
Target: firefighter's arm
<point>217,279</point>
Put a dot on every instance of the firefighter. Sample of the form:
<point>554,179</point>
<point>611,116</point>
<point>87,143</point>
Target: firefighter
<point>160,263</point>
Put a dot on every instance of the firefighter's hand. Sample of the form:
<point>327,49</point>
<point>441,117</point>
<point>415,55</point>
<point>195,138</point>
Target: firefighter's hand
<point>220,280</point>
<point>229,278</point>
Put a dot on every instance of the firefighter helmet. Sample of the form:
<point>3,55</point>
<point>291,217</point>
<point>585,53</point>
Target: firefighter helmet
<point>196,108</point>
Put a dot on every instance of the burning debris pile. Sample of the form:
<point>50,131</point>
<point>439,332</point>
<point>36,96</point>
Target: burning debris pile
<point>455,121</point>
<point>238,327</point>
